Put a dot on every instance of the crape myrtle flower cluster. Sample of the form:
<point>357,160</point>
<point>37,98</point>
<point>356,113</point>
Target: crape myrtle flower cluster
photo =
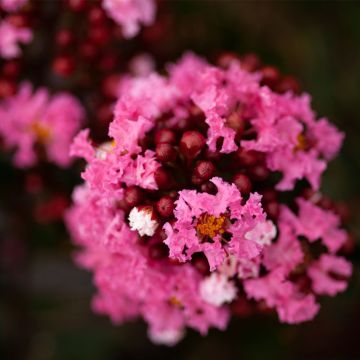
<point>32,119</point>
<point>183,216</point>
<point>13,31</point>
<point>34,122</point>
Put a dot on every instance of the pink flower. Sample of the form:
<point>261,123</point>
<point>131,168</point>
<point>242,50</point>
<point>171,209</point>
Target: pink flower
<point>125,276</point>
<point>30,118</point>
<point>292,306</point>
<point>217,289</point>
<point>316,223</point>
<point>130,14</point>
<point>11,37</point>
<point>323,274</point>
<point>293,140</point>
<point>286,252</point>
<point>169,219</point>
<point>201,215</point>
<point>12,5</point>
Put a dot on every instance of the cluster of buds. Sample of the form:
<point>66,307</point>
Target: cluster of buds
<point>205,201</point>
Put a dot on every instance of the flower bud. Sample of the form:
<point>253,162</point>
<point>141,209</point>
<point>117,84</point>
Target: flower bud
<point>191,144</point>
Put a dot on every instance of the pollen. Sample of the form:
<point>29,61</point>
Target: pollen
<point>302,143</point>
<point>210,225</point>
<point>175,301</point>
<point>41,132</point>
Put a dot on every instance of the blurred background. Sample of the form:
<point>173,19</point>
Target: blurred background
<point>45,299</point>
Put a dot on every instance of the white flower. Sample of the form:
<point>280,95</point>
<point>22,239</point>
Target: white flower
<point>169,337</point>
<point>104,149</point>
<point>142,221</point>
<point>216,289</point>
<point>263,233</point>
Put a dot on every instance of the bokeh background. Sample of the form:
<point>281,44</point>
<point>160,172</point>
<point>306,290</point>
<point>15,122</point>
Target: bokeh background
<point>44,308</point>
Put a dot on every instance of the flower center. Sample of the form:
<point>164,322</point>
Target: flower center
<point>302,143</point>
<point>42,132</point>
<point>210,225</point>
<point>174,301</point>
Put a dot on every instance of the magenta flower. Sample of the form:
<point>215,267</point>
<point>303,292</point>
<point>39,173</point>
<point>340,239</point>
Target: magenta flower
<point>321,273</point>
<point>10,38</point>
<point>130,14</point>
<point>12,5</point>
<point>202,216</point>
<point>34,118</point>
<point>182,213</point>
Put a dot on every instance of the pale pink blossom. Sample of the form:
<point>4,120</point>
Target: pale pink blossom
<point>10,39</point>
<point>130,14</point>
<point>34,117</point>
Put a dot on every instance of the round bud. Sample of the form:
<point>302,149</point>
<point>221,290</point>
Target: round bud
<point>76,5</point>
<point>18,20</point>
<point>349,246</point>
<point>196,180</point>
<point>165,152</point>
<point>247,158</point>
<point>208,187</point>
<point>165,136</point>
<point>165,206</point>
<point>236,122</point>
<point>162,178</point>
<point>259,172</point>
<point>243,183</point>
<point>96,16</point>
<point>191,144</point>
<point>272,209</point>
<point>204,169</point>
<point>201,264</point>
<point>63,65</point>
<point>212,155</point>
<point>343,211</point>
<point>226,59</point>
<point>110,85</point>
<point>269,194</point>
<point>250,62</point>
<point>241,307</point>
<point>88,50</point>
<point>133,196</point>
<point>270,76</point>
<point>11,69</point>
<point>158,251</point>
<point>326,203</point>
<point>108,62</point>
<point>7,88</point>
<point>64,37</point>
<point>288,83</point>
<point>99,34</point>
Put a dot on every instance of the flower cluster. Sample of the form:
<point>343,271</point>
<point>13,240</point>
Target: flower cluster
<point>130,14</point>
<point>31,122</point>
<point>182,217</point>
<point>12,32</point>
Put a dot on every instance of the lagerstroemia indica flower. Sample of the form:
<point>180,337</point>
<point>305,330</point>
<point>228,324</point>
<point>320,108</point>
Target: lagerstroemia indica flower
<point>130,14</point>
<point>12,5</point>
<point>32,118</point>
<point>10,39</point>
<point>181,216</point>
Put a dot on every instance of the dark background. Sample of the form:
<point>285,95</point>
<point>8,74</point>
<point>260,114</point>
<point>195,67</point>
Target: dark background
<point>44,309</point>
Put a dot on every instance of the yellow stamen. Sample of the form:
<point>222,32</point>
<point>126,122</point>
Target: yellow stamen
<point>42,132</point>
<point>210,225</point>
<point>175,301</point>
<point>302,143</point>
